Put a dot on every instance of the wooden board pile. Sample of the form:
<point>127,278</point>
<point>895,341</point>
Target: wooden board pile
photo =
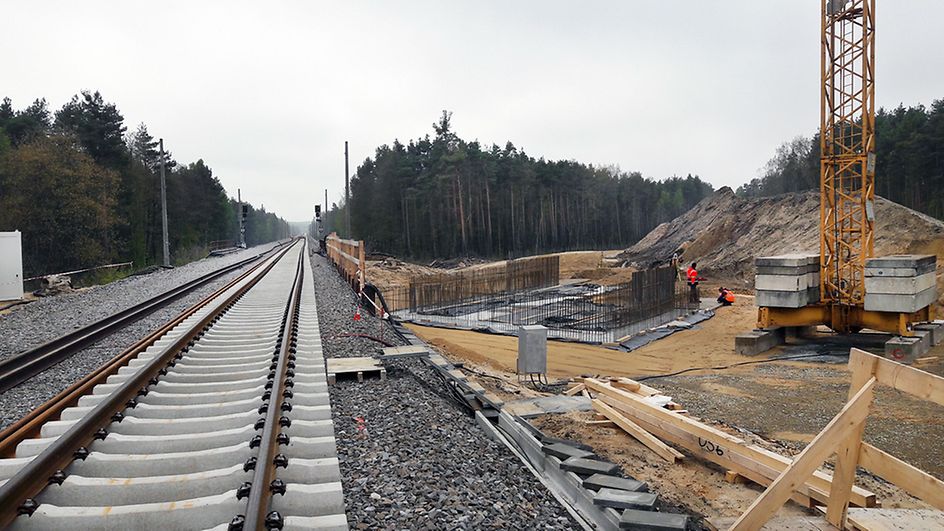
<point>642,412</point>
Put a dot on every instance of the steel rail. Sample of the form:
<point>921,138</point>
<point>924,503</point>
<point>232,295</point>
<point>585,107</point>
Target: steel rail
<point>23,366</point>
<point>260,494</point>
<point>35,475</point>
<point>29,425</point>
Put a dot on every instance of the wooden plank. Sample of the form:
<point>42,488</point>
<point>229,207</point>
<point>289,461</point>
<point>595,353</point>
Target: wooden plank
<point>907,379</point>
<point>781,523</point>
<point>912,480</point>
<point>896,519</point>
<point>823,445</point>
<point>847,455</point>
<point>605,423</point>
<point>636,387</point>
<point>575,389</point>
<point>651,442</point>
<point>405,351</point>
<point>757,464</point>
<point>343,365</point>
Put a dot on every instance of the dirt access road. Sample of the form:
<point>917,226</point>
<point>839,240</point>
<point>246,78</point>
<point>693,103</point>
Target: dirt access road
<point>784,403</point>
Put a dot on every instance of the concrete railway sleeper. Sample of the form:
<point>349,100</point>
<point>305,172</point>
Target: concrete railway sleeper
<point>19,368</point>
<point>223,422</point>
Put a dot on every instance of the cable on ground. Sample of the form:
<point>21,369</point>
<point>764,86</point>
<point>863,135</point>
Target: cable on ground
<point>723,367</point>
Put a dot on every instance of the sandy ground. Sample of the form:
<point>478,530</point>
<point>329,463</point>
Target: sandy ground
<point>679,351</point>
<point>780,405</point>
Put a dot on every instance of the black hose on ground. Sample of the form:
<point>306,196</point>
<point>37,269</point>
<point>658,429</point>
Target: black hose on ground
<point>723,367</point>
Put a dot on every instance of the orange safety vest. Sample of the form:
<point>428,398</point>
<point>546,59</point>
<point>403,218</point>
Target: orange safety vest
<point>692,275</point>
<point>729,295</point>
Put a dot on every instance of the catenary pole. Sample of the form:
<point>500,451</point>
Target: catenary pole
<point>347,195</point>
<point>164,207</point>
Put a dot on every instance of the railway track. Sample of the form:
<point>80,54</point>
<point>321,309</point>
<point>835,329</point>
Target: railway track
<point>17,369</point>
<point>221,420</point>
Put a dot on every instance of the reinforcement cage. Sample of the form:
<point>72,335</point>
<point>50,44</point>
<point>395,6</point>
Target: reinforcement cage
<point>430,292</point>
<point>582,312</point>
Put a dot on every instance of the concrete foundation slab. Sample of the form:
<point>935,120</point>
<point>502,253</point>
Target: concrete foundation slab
<point>601,481</point>
<point>883,302</point>
<point>915,261</point>
<point>787,270</point>
<point>652,521</point>
<point>781,299</point>
<point>896,271</point>
<point>622,499</point>
<point>791,283</point>
<point>758,341</point>
<point>899,285</point>
<point>904,349</point>
<point>787,260</point>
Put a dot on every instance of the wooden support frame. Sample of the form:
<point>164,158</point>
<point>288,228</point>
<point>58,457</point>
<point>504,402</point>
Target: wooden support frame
<point>815,454</point>
<point>843,436</point>
<point>349,256</point>
<point>753,462</point>
<point>650,441</point>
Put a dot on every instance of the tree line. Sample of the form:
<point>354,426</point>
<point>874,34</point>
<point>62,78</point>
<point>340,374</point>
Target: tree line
<point>443,196</point>
<point>84,192</point>
<point>909,160</point>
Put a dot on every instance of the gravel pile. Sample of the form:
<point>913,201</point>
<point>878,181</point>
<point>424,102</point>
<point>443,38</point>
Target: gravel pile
<point>411,459</point>
<point>30,325</point>
<point>33,324</point>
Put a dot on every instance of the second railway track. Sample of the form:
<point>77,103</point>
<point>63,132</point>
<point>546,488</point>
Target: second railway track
<point>222,422</point>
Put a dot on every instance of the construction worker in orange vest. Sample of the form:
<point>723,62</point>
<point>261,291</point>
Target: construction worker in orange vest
<point>693,278</point>
<point>725,296</point>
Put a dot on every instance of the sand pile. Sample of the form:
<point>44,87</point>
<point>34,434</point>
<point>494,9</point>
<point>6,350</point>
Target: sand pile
<point>724,233</point>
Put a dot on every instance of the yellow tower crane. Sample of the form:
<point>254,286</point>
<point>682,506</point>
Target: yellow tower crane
<point>847,179</point>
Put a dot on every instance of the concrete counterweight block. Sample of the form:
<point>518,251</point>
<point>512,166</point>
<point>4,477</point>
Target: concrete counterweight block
<point>900,283</point>
<point>786,281</point>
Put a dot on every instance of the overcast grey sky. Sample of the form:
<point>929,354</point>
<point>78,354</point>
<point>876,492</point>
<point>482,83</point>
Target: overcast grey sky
<point>267,92</point>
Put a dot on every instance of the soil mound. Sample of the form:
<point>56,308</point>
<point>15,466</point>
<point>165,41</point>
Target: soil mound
<point>724,232</point>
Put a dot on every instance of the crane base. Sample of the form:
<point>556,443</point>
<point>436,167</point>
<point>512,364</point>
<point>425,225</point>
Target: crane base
<point>843,319</point>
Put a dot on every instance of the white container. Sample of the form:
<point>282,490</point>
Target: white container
<point>11,266</point>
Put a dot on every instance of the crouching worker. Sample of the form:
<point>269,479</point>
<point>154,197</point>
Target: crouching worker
<point>725,296</point>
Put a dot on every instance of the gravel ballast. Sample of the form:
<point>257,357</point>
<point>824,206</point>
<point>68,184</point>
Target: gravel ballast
<point>410,457</point>
<point>33,324</point>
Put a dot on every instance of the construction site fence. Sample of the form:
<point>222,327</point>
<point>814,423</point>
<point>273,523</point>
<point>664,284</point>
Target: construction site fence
<point>348,257</point>
<point>434,291</point>
<point>606,314</point>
